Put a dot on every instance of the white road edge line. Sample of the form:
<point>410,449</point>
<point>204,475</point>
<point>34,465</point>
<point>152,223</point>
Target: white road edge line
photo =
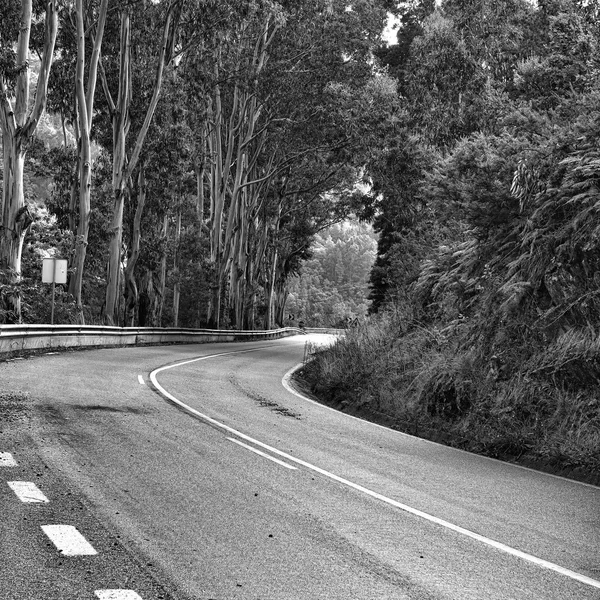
<point>456,528</point>
<point>264,454</point>
<point>288,386</point>
<point>117,595</point>
<point>7,460</point>
<point>141,380</point>
<point>68,540</point>
<point>27,491</point>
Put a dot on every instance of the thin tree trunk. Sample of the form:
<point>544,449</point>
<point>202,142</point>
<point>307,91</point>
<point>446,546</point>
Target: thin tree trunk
<point>131,288</point>
<point>85,102</point>
<point>270,291</point>
<point>176,272</point>
<point>120,129</point>
<point>163,271</point>
<point>123,168</point>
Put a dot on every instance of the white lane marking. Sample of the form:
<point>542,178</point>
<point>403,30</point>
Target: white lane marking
<point>288,386</point>
<point>279,462</point>
<point>68,540</point>
<point>27,491</point>
<point>141,379</point>
<point>117,595</point>
<point>7,460</point>
<point>456,528</point>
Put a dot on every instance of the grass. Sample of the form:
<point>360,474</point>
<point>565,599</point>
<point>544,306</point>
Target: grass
<point>542,411</point>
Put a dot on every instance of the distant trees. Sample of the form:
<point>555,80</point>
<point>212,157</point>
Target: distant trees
<point>332,286</point>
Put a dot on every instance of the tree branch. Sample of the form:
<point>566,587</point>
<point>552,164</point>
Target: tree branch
<point>41,93</point>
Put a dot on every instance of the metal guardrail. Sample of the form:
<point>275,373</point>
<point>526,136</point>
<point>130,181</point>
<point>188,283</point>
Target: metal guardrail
<point>20,339</point>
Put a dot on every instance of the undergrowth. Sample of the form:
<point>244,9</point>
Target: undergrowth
<point>535,404</point>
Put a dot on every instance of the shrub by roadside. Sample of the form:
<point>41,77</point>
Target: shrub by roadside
<point>541,410</point>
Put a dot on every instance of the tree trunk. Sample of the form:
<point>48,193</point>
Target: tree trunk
<point>123,168</point>
<point>270,291</point>
<point>131,289</point>
<point>120,128</point>
<point>11,238</point>
<point>85,103</point>
<point>17,128</point>
<point>163,272</point>
<point>113,275</point>
<point>176,273</point>
<point>234,147</point>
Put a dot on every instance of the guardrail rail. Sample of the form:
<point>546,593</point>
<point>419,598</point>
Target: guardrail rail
<point>24,339</point>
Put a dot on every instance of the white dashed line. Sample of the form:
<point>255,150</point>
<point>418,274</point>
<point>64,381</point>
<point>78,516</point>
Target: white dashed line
<point>141,380</point>
<point>7,460</point>
<point>27,491</point>
<point>68,540</point>
<point>276,460</point>
<point>117,595</point>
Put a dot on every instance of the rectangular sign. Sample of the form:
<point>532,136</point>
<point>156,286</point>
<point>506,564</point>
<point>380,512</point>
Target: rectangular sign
<point>54,270</point>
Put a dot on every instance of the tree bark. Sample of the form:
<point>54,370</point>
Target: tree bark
<point>17,129</point>
<point>123,168</point>
<point>85,103</point>
<point>163,272</point>
<point>176,272</point>
<point>131,288</point>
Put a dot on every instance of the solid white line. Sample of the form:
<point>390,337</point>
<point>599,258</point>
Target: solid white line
<point>456,528</point>
<point>279,462</point>
<point>68,540</point>
<point>288,386</point>
<point>27,491</point>
<point>7,460</point>
<point>117,595</point>
<point>141,379</point>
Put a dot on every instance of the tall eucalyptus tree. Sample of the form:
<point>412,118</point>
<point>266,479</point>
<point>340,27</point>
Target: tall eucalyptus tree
<point>85,113</point>
<point>18,123</point>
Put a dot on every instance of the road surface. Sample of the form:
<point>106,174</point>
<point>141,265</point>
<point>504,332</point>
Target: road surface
<point>193,473</point>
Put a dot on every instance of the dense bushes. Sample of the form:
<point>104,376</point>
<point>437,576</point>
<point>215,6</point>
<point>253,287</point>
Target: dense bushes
<point>426,382</point>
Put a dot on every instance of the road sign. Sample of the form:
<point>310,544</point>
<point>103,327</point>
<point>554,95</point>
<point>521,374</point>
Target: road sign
<point>54,270</point>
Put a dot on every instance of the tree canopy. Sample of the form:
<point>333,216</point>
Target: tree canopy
<point>238,126</point>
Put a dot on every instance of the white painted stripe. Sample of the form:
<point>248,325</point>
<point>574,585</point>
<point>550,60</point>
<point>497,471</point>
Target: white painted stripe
<point>68,540</point>
<point>279,462</point>
<point>141,379</point>
<point>27,491</point>
<point>456,528</point>
<point>117,595</point>
<point>7,460</point>
<point>287,385</point>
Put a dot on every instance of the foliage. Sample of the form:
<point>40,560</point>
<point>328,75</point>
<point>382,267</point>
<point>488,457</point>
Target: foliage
<point>332,286</point>
<point>489,252</point>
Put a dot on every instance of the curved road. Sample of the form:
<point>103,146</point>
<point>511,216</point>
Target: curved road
<point>195,473</point>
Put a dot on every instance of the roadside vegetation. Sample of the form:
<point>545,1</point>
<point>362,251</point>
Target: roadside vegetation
<point>486,286</point>
<point>184,156</point>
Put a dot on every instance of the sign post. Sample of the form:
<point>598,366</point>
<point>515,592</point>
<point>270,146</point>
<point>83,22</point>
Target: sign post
<point>54,270</point>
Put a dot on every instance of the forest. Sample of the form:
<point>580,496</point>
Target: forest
<point>190,157</point>
<point>180,154</point>
<point>332,287</point>
<point>485,290</point>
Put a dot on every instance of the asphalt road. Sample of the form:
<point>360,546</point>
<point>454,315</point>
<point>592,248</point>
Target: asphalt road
<point>209,479</point>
